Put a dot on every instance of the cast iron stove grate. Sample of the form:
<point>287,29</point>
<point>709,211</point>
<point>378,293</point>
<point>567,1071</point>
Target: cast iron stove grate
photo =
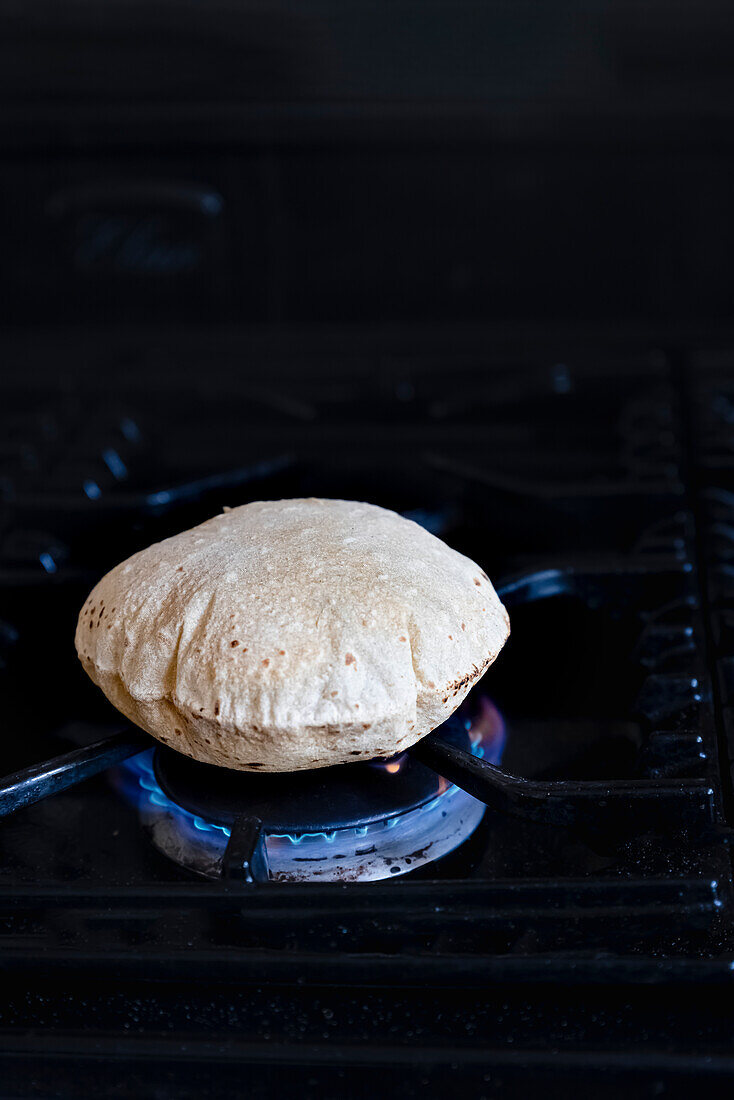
<point>613,511</point>
<point>250,808</point>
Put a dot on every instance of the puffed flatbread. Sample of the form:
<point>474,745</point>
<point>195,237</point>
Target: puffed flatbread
<point>292,634</point>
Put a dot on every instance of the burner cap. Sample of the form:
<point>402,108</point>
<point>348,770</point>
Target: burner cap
<point>342,797</point>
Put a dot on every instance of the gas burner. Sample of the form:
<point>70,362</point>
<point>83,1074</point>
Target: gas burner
<point>365,821</point>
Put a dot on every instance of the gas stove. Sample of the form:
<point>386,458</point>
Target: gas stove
<point>405,914</point>
<point>357,823</point>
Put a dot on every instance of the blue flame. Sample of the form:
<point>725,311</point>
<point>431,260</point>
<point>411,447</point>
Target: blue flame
<point>487,732</point>
<point>136,781</point>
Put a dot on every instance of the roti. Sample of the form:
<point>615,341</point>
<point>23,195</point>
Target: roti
<point>292,634</point>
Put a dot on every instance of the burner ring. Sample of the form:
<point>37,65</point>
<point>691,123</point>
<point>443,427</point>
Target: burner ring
<point>345,796</point>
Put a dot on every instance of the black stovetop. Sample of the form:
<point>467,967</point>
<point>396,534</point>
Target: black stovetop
<point>607,476</point>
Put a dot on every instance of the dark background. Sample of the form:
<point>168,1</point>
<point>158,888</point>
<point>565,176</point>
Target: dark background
<point>370,163</point>
<point>471,261</point>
